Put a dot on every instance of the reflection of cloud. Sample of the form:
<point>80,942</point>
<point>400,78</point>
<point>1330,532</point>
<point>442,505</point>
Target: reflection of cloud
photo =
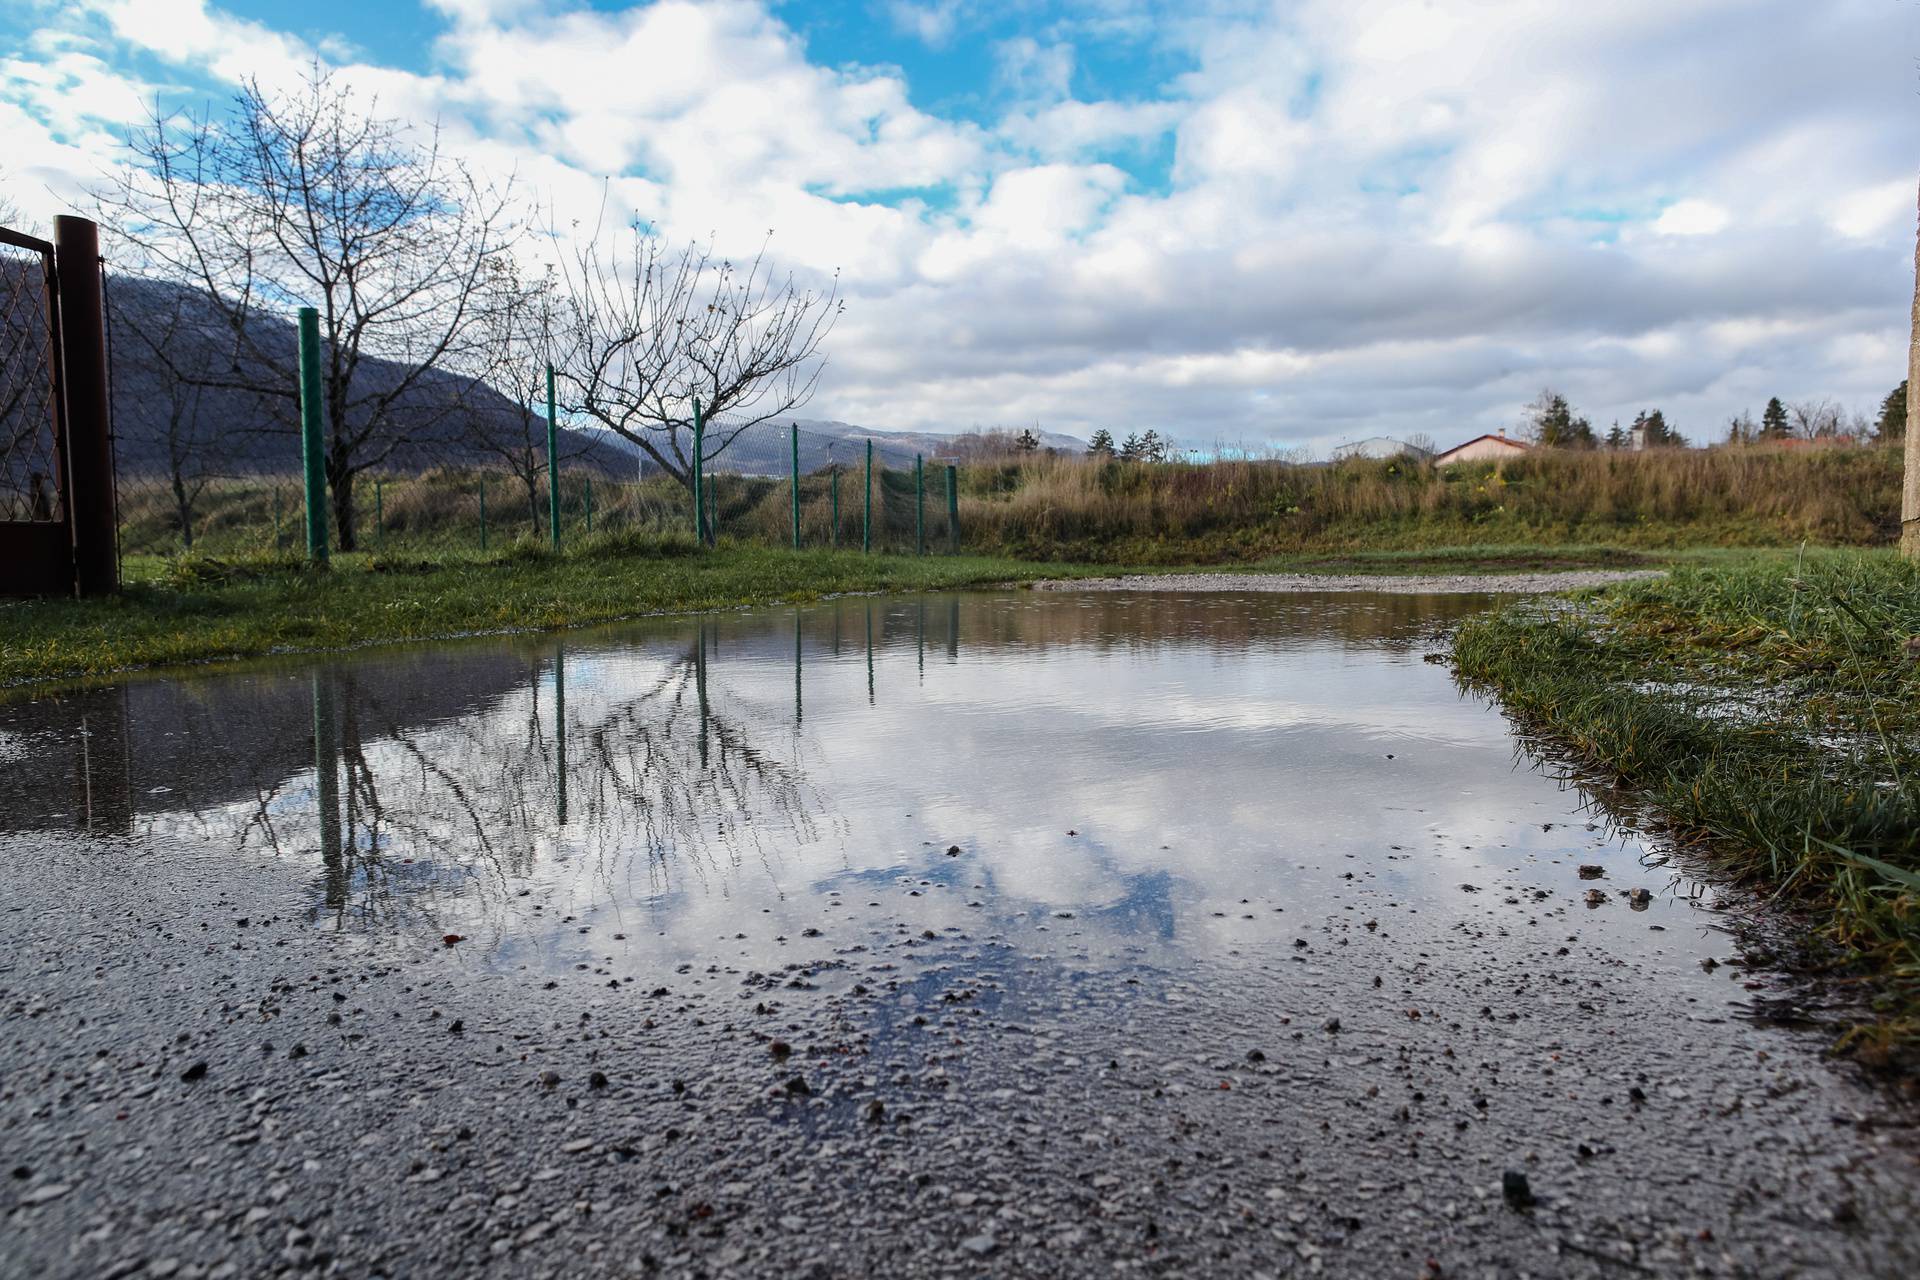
<point>1191,773</point>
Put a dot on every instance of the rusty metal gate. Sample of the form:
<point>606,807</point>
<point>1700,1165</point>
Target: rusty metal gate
<point>56,483</point>
<point>36,536</point>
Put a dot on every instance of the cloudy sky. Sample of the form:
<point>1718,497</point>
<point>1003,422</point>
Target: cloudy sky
<point>1288,223</point>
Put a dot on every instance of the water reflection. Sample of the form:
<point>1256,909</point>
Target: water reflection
<point>1113,775</point>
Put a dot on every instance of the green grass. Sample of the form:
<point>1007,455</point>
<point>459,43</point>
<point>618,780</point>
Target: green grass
<point>195,609</point>
<point>1769,708</point>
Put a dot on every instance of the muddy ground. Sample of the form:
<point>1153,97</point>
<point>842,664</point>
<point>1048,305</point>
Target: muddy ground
<point>198,1080</point>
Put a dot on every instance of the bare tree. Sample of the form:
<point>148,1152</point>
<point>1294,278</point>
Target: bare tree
<point>304,198</point>
<point>513,349</point>
<point>651,329</point>
<point>9,207</point>
<point>159,412</point>
<point>1816,419</point>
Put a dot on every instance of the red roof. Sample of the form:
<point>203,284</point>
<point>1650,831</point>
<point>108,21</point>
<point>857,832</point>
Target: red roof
<point>1491,435</point>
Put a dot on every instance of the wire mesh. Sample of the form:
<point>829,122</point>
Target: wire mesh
<point>752,490</point>
<point>206,468</point>
<point>29,426</point>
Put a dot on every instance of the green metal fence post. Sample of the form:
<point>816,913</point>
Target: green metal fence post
<point>795,439</point>
<point>311,457</point>
<point>919,505</point>
<point>953,507</point>
<point>553,465</point>
<point>866,521</point>
<point>483,511</point>
<point>836,507</point>
<point>699,506</point>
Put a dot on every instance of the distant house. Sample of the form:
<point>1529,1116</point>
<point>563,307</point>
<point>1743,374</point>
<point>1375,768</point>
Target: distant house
<point>1380,447</point>
<point>1483,448</point>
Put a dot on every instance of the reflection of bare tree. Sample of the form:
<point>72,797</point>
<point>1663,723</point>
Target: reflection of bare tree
<point>705,809</point>
<point>664,780</point>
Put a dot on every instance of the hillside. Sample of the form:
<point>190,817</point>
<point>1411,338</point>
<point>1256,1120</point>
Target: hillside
<point>155,329</point>
<point>227,431</point>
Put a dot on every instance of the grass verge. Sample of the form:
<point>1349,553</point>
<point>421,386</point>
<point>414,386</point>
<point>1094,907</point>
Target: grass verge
<point>1771,712</point>
<point>195,609</point>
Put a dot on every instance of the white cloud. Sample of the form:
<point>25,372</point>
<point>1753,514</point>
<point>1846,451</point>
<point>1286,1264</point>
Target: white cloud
<point>1692,218</point>
<point>932,22</point>
<point>1380,215</point>
<point>1033,70</point>
<point>1868,213</point>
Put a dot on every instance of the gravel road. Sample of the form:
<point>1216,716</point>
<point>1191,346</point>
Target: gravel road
<point>198,1079</point>
<point>1397,584</point>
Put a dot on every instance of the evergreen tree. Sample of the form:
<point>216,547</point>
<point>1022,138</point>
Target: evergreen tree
<point>1152,447</point>
<point>1654,431</point>
<point>1130,449</point>
<point>1741,430</point>
<point>1773,422</point>
<point>1893,415</point>
<point>1101,446</point>
<point>1027,442</point>
<point>1555,426</point>
<point>1616,438</point>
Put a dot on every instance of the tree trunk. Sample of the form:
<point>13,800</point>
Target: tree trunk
<point>184,506</point>
<point>1910,490</point>
<point>340,486</point>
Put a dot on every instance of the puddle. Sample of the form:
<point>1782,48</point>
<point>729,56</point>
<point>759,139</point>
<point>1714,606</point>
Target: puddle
<point>1128,780</point>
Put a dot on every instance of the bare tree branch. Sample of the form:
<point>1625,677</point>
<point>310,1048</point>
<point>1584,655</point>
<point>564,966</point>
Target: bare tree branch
<point>649,330</point>
<point>306,198</point>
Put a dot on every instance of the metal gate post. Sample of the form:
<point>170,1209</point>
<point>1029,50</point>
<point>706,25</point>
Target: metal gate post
<point>83,371</point>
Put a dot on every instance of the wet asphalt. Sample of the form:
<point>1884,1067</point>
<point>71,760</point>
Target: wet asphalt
<point>197,1080</point>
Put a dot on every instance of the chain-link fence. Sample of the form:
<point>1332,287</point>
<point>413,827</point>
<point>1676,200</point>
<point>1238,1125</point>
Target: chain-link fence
<point>207,469</point>
<point>780,483</point>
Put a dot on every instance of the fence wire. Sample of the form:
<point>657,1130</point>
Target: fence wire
<point>754,481</point>
<point>29,448</point>
<point>217,472</point>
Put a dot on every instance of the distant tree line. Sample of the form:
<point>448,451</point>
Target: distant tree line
<point>1550,421</point>
<point>1149,446</point>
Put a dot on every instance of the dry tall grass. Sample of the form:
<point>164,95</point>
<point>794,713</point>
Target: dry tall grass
<point>1050,507</point>
<point>1073,509</point>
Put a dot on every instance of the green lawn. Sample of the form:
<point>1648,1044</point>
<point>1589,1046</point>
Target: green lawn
<point>1769,707</point>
